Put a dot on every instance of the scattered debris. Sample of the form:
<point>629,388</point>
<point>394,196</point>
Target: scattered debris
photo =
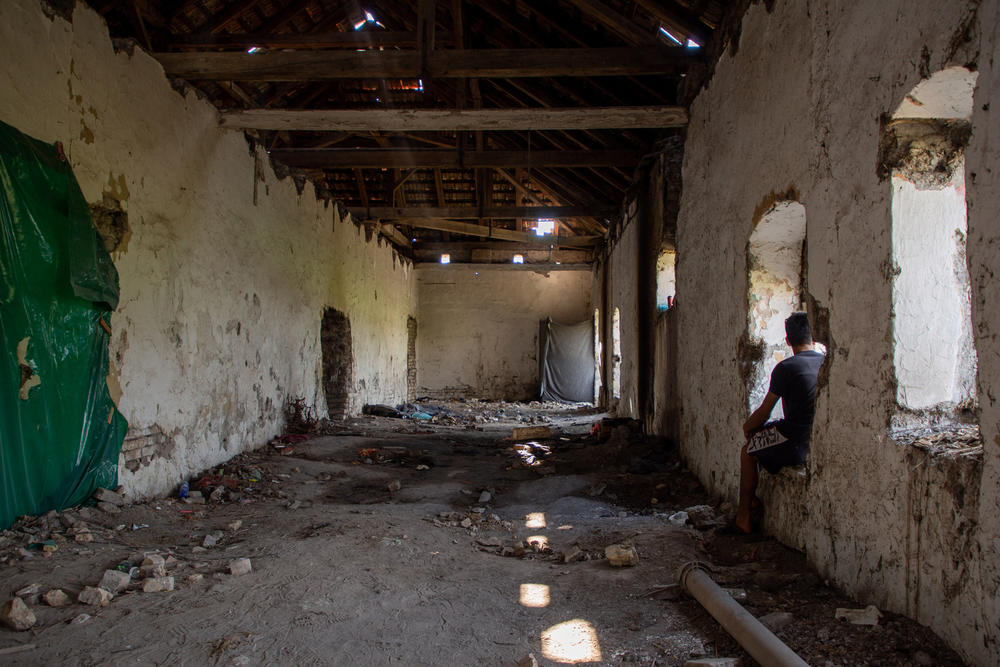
<point>109,508</point>
<point>17,615</point>
<point>572,554</point>
<point>678,518</point>
<point>10,650</point>
<point>621,555</point>
<point>528,661</point>
<point>212,539</point>
<point>485,497</point>
<point>394,486</point>
<point>382,411</point>
<point>776,620</point>
<point>867,616</point>
<point>29,594</point>
<point>80,619</point>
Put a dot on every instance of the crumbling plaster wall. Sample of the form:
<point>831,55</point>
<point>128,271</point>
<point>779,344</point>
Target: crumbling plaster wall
<point>794,113</point>
<point>621,267</point>
<point>479,325</point>
<point>221,298</point>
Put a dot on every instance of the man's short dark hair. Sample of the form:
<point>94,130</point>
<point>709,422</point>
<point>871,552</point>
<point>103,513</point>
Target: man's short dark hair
<point>797,329</point>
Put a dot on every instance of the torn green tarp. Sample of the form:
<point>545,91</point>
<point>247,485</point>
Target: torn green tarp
<point>60,434</point>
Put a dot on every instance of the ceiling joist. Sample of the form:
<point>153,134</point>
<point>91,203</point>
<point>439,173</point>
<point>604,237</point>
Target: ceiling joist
<point>412,213</point>
<point>496,63</point>
<point>432,120</point>
<point>501,234</point>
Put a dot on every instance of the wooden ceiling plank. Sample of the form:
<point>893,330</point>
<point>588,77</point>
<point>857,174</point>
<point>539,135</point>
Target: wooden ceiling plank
<point>347,158</point>
<point>229,13</point>
<point>434,120</point>
<point>497,63</point>
<point>306,41</point>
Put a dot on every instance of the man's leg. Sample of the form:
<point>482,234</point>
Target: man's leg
<point>748,490</point>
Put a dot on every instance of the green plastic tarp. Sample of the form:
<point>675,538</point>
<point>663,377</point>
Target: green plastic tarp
<point>60,433</point>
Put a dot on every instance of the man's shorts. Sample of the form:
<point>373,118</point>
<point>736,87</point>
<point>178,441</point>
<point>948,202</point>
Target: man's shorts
<point>772,451</point>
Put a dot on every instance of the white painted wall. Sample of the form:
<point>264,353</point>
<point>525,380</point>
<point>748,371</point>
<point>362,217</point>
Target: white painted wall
<point>221,299</point>
<point>898,529</point>
<point>478,325</point>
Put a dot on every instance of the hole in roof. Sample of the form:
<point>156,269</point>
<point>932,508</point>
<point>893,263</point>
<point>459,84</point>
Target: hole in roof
<point>544,226</point>
<point>369,18</point>
<point>669,35</point>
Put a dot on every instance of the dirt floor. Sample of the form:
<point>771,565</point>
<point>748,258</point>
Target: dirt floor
<point>428,542</point>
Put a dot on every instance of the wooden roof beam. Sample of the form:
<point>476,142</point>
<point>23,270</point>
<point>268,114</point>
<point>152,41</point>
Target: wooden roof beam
<point>433,120</point>
<point>495,233</point>
<point>498,63</point>
<point>472,212</point>
<point>377,158</point>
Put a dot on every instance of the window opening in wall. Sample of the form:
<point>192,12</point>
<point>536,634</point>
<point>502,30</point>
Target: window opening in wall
<point>338,361</point>
<point>665,279</point>
<point>597,356</point>
<point>616,351</point>
<point>775,289</point>
<point>518,259</point>
<point>544,226</point>
<point>923,153</point>
<point>446,258</point>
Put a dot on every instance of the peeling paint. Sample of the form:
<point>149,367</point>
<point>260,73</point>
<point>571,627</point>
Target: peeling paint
<point>29,377</point>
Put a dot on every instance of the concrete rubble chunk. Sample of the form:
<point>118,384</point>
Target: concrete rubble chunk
<point>488,541</point>
<point>158,585</point>
<point>867,616</point>
<point>196,577</point>
<point>572,554</point>
<point>153,559</point>
<point>57,598</point>
<point>153,571</point>
<point>17,615</point>
<point>108,496</point>
<point>115,581</point>
<point>83,534</point>
<point>109,508</point>
<point>713,662</point>
<point>212,539</point>
<point>701,516</point>
<point>234,525</point>
<point>95,595</point>
<point>239,566</point>
<point>485,497</point>
<point>621,555</point>
<point>777,620</point>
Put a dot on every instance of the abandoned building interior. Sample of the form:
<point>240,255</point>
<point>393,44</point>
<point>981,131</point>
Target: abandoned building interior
<point>307,208</point>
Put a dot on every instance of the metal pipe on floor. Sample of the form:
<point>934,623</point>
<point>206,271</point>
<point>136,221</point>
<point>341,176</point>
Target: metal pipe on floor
<point>758,641</point>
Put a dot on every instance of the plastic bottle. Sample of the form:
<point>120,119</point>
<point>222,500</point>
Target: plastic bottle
<point>184,490</point>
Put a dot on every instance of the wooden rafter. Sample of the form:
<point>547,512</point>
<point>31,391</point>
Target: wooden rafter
<point>501,63</point>
<point>377,158</point>
<point>504,212</point>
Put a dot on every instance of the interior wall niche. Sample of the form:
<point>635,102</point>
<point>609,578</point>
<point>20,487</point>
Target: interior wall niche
<point>411,358</point>
<point>774,257</point>
<point>616,351</point>
<point>922,149</point>
<point>338,361</point>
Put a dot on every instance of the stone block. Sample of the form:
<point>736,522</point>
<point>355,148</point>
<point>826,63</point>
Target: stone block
<point>158,585</point>
<point>109,508</point>
<point>17,615</point>
<point>621,555</point>
<point>115,581</point>
<point>108,496</point>
<point>95,596</point>
<point>57,598</point>
<point>240,566</point>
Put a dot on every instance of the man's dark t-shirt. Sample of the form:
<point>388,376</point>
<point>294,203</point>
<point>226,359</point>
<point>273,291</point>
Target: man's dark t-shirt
<point>794,381</point>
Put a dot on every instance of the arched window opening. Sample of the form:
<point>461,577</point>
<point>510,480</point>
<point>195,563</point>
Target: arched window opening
<point>616,351</point>
<point>923,154</point>
<point>597,356</point>
<point>775,288</point>
<point>666,281</point>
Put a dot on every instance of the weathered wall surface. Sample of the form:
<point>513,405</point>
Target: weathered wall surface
<point>222,297</point>
<point>622,265</point>
<point>478,325</point>
<point>885,521</point>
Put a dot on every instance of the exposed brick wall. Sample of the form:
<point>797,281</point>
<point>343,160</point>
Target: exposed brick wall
<point>142,445</point>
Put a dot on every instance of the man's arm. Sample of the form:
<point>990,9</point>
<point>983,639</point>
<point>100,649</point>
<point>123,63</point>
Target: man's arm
<point>760,415</point>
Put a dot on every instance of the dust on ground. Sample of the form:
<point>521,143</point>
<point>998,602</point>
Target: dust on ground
<point>425,541</point>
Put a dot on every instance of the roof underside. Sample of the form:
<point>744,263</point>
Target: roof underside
<point>503,111</point>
